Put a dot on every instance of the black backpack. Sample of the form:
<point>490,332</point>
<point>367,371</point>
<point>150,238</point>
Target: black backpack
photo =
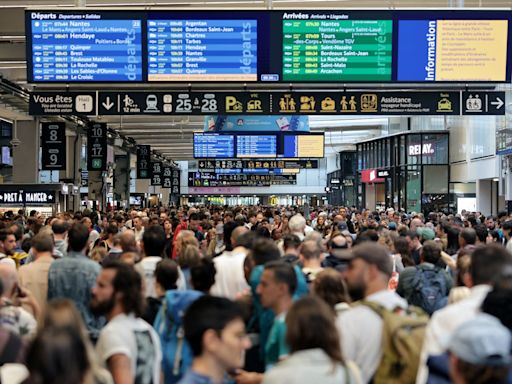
<point>430,291</point>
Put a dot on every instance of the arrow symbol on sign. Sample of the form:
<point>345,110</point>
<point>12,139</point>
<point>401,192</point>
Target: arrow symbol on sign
<point>108,104</point>
<point>499,103</point>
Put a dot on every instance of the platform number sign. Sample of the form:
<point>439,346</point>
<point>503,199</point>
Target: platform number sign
<point>97,147</point>
<point>53,146</point>
<point>156,173</point>
<point>175,182</point>
<point>143,161</point>
<point>166,177</point>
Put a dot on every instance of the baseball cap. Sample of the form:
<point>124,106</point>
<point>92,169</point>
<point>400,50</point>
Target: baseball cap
<point>426,233</point>
<point>374,254</point>
<point>392,226</point>
<point>482,341</point>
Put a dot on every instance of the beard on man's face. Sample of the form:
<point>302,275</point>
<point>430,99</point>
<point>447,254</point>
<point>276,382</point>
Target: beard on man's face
<point>357,291</point>
<point>100,308</point>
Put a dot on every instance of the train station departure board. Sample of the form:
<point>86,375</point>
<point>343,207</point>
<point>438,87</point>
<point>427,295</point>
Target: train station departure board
<point>268,46</point>
<point>202,50</point>
<point>85,48</point>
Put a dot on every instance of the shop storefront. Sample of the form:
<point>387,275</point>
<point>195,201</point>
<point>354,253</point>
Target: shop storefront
<point>408,171</point>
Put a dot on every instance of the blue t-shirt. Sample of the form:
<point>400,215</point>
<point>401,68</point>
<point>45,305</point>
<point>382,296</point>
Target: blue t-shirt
<point>192,377</point>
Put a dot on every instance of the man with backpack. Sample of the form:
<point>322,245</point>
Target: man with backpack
<point>176,353</point>
<point>371,329</point>
<point>426,285</point>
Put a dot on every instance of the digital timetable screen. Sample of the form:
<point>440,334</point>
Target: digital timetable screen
<point>268,46</point>
<point>255,145</point>
<point>202,50</point>
<point>84,47</point>
<point>214,146</point>
<point>337,50</point>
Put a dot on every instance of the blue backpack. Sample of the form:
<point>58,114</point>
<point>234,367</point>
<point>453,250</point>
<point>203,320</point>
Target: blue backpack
<point>429,289</point>
<point>176,354</point>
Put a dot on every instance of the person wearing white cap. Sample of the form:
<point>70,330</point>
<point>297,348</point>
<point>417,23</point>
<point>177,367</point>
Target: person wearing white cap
<point>480,351</point>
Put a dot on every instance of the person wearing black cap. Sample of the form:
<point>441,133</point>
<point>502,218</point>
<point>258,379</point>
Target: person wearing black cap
<point>367,277</point>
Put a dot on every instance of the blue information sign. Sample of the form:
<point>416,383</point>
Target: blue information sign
<point>85,48</point>
<point>214,146</point>
<point>202,50</point>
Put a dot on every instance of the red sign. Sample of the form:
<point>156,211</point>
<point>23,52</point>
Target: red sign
<point>370,176</point>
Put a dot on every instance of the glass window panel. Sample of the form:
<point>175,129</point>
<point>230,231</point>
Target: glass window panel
<point>435,179</point>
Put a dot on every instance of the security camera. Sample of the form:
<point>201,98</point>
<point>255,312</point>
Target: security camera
<point>15,142</point>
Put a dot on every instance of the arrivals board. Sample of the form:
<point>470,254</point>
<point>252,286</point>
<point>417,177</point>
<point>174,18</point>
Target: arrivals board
<point>84,47</point>
<point>271,46</point>
<point>337,50</point>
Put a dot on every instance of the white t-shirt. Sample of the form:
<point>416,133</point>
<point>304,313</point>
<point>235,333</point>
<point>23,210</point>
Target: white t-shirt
<point>229,278</point>
<point>360,331</point>
<point>146,267</point>
<point>136,339</point>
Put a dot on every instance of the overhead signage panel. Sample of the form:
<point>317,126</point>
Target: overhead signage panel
<point>53,146</point>
<point>143,161</point>
<point>270,103</point>
<point>97,147</point>
<point>176,181</point>
<point>32,197</point>
<point>167,176</point>
<point>268,46</point>
<point>207,179</point>
<point>62,103</point>
<point>257,164</point>
<point>483,103</point>
<point>251,123</point>
<point>156,173</point>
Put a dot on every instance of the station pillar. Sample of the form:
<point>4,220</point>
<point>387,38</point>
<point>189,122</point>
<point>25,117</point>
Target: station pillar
<point>122,179</point>
<point>25,167</point>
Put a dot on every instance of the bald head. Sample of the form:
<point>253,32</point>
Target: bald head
<point>128,242</point>
<point>236,234</point>
<point>310,250</point>
<point>9,278</point>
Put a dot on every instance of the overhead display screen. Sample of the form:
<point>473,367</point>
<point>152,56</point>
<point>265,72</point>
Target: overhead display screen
<point>268,46</point>
<point>452,50</point>
<point>256,146</point>
<point>202,50</point>
<point>296,146</point>
<point>84,47</point>
<point>337,50</point>
<point>214,146</point>
<point>253,145</point>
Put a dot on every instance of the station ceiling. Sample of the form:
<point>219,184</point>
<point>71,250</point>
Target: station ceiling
<point>172,136</point>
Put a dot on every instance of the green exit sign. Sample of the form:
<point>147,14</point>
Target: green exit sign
<point>97,163</point>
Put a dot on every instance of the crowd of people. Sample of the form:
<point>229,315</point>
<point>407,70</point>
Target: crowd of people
<point>253,294</point>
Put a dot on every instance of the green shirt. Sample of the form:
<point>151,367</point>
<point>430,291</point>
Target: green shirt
<point>276,347</point>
